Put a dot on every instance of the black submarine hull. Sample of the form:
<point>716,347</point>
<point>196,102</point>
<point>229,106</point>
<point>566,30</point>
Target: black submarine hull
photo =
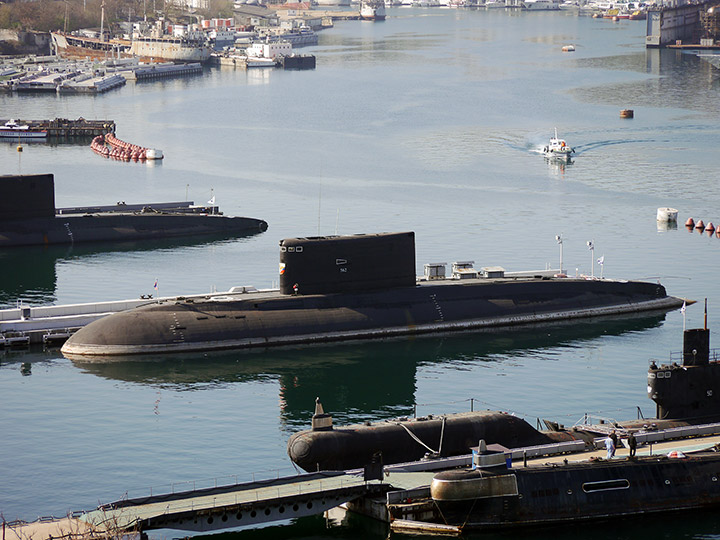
<point>358,287</point>
<point>398,441</point>
<point>484,499</point>
<point>266,320</point>
<point>28,217</point>
<point>122,227</point>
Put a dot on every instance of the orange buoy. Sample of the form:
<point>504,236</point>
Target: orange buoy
<point>700,225</point>
<point>717,232</point>
<point>690,222</point>
<point>710,228</point>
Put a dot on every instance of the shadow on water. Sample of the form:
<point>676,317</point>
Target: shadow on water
<point>28,273</point>
<point>368,380</point>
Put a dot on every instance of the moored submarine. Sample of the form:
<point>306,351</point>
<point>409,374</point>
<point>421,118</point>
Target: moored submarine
<point>688,388</point>
<point>359,287</point>
<point>325,448</point>
<point>28,217</point>
<point>686,395</point>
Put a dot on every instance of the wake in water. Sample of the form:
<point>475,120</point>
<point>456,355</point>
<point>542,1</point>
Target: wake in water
<point>582,148</point>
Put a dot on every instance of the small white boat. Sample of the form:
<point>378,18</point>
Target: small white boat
<point>558,149</point>
<point>569,5</point>
<point>372,10</point>
<point>13,130</point>
<point>540,5</point>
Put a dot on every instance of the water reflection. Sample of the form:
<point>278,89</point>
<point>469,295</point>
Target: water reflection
<point>29,273</point>
<point>680,80</point>
<point>367,380</point>
<point>557,168</point>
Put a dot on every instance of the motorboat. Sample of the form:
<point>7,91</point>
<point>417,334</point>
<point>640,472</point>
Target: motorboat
<point>558,149</point>
<point>13,130</point>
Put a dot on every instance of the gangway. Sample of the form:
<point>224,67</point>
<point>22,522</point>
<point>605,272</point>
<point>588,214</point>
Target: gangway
<point>212,508</point>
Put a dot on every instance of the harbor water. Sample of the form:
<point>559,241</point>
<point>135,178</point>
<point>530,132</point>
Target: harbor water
<point>431,121</point>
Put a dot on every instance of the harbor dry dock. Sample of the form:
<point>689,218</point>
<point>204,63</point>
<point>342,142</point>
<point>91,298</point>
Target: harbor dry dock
<point>63,128</point>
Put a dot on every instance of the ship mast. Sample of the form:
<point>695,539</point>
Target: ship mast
<point>102,20</point>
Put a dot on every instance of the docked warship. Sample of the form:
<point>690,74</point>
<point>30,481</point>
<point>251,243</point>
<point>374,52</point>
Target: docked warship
<point>28,216</point>
<point>362,286</point>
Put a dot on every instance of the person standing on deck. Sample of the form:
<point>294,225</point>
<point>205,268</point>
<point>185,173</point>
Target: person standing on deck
<point>614,439</point>
<point>632,444</point>
<point>610,447</point>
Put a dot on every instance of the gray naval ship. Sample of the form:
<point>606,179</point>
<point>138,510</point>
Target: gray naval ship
<point>361,287</point>
<point>28,217</point>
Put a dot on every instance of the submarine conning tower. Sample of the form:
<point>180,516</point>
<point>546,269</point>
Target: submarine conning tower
<point>688,388</point>
<point>321,421</point>
<point>27,196</point>
<point>339,264</point>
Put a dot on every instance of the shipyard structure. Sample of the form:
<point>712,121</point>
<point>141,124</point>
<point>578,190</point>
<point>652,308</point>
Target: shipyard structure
<point>679,23</point>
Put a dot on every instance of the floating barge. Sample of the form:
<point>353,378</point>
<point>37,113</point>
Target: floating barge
<point>88,84</point>
<point>62,128</point>
<point>162,71</point>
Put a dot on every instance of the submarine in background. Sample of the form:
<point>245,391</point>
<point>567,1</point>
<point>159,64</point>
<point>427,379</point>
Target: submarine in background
<point>28,217</point>
<point>362,286</point>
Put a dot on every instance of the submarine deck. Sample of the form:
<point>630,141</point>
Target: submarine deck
<point>444,305</point>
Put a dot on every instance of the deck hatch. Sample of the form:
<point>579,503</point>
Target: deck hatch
<point>605,485</point>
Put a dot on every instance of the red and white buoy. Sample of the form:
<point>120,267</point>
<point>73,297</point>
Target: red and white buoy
<point>122,150</point>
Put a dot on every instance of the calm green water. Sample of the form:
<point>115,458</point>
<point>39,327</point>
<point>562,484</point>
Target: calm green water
<point>430,121</point>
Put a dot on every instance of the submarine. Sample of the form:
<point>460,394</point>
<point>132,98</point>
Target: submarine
<point>568,491</point>
<point>364,286</point>
<point>28,216</point>
<point>402,440</point>
<point>686,393</point>
<point>688,386</point>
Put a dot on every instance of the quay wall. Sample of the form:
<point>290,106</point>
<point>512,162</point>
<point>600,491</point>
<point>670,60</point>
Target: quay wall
<point>669,25</point>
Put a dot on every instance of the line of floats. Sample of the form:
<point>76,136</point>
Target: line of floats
<point>700,226</point>
<point>109,146</point>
